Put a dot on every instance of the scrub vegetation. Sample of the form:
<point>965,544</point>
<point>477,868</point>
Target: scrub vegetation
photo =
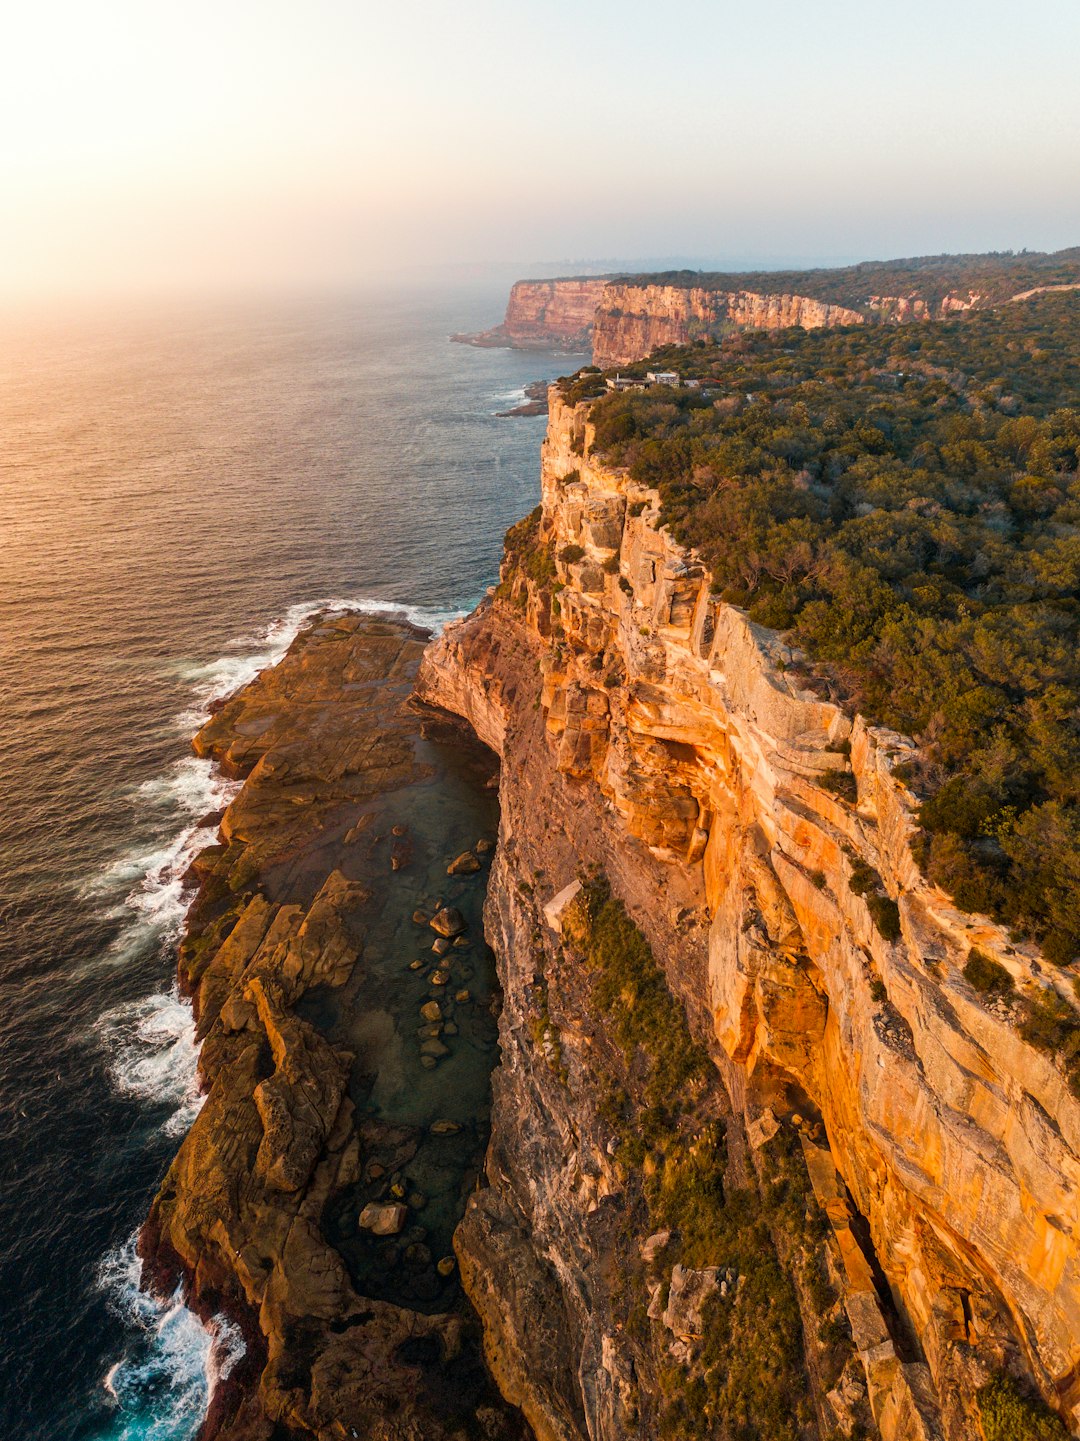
<point>904,502</point>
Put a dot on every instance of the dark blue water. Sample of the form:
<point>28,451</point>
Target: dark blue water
<point>176,492</point>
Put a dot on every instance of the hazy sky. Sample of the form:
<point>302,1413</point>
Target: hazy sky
<point>305,140</point>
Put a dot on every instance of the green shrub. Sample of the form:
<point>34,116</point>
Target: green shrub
<point>571,554</point>
<point>1008,1413</point>
<point>987,975</point>
<point>611,565</point>
<point>885,914</point>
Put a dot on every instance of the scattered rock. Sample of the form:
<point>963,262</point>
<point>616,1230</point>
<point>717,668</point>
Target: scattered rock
<point>434,1047</point>
<point>416,1201</point>
<point>450,1029</point>
<point>445,1266</point>
<point>399,830</point>
<point>652,1247</point>
<point>428,1062</point>
<point>462,943</point>
<point>462,996</point>
<point>431,1011</point>
<point>448,922</point>
<point>383,1220</point>
<point>421,918</point>
<point>762,1128</point>
<point>687,1295</point>
<point>417,1256</point>
<point>440,978</point>
<point>444,1128</point>
<point>483,847</point>
<point>464,865</point>
<point>441,946</point>
<point>417,965</point>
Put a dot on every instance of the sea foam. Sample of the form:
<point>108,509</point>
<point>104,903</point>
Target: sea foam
<point>164,1382</point>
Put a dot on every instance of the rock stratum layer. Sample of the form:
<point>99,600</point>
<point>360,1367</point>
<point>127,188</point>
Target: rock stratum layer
<point>634,320</point>
<point>276,929</point>
<point>650,729</point>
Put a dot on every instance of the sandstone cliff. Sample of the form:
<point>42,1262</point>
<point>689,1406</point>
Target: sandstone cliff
<point>634,320</point>
<point>651,730</point>
<point>546,315</point>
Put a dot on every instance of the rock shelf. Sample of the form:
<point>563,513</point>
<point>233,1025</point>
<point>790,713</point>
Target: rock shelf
<point>326,1170</point>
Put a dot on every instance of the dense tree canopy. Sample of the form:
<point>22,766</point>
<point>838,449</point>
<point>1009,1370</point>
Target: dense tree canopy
<point>994,277</point>
<point>905,502</point>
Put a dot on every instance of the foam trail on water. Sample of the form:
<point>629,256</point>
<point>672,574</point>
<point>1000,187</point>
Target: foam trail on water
<point>162,1386</point>
<point>153,1055</point>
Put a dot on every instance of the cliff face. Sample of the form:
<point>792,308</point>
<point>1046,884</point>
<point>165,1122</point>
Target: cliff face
<point>546,315</point>
<point>634,320</point>
<point>653,730</point>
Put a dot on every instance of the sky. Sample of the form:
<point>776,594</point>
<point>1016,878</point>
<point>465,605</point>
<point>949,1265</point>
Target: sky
<point>321,143</point>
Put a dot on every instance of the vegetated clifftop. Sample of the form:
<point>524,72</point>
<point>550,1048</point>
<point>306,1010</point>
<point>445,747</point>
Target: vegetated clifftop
<point>546,315</point>
<point>625,318</point>
<point>650,730</point>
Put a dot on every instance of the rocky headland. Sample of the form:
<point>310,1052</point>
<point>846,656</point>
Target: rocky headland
<point>833,1189</point>
<point>346,1020</point>
<point>545,315</point>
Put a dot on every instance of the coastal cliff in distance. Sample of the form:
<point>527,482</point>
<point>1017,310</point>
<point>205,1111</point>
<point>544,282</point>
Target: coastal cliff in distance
<point>634,320</point>
<point>623,319</point>
<point>831,1189</point>
<point>546,315</point>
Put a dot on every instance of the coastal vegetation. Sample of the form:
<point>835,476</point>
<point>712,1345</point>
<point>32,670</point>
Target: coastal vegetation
<point>993,277</point>
<point>905,503</point>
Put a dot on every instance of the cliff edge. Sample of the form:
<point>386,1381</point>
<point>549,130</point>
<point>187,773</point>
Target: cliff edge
<point>660,751</point>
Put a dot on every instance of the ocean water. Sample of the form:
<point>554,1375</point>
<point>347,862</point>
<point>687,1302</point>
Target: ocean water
<point>177,491</point>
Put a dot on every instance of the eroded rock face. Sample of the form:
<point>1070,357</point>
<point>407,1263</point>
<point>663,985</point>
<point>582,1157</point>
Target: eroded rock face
<point>656,731</point>
<point>634,320</point>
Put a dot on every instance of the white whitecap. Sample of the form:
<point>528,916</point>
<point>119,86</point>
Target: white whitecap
<point>153,1055</point>
<point>247,655</point>
<point>162,1385</point>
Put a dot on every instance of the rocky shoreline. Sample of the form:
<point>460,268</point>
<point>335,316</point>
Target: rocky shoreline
<point>313,1199</point>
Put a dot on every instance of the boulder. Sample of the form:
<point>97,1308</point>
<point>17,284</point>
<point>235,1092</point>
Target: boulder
<point>687,1295</point>
<point>464,865</point>
<point>653,1245</point>
<point>383,1220</point>
<point>448,922</point>
<point>431,1011</point>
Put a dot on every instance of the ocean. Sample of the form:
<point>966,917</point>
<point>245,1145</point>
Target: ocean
<point>178,490</point>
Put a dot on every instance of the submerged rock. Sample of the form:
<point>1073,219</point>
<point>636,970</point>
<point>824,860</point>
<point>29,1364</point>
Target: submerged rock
<point>464,865</point>
<point>383,1220</point>
<point>448,922</point>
